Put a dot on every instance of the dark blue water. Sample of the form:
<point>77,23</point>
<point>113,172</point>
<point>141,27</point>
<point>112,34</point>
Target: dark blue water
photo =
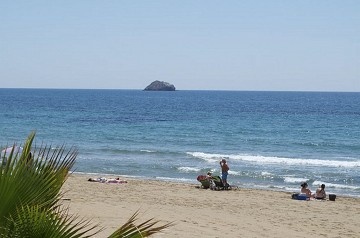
<point>272,140</point>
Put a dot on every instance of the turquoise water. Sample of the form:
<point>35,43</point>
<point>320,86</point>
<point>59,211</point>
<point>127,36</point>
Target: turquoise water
<point>272,140</point>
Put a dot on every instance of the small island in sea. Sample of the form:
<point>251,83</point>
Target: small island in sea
<point>160,86</point>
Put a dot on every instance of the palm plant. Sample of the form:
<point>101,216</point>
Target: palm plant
<point>30,191</point>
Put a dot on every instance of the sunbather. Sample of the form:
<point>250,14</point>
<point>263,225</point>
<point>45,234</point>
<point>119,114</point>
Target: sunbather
<point>116,180</point>
<point>100,180</point>
<point>107,180</point>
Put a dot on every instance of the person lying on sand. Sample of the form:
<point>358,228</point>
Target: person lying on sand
<point>116,180</point>
<point>107,180</point>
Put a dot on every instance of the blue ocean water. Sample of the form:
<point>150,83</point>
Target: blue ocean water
<point>272,140</point>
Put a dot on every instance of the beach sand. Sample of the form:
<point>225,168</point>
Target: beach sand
<point>206,213</point>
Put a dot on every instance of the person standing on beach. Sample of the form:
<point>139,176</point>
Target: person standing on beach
<point>224,171</point>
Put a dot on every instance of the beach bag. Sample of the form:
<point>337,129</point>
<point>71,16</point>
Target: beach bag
<point>295,196</point>
<point>332,197</point>
<point>299,196</point>
<point>302,196</point>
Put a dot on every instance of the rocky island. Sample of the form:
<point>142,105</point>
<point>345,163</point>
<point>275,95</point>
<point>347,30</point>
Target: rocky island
<point>160,86</point>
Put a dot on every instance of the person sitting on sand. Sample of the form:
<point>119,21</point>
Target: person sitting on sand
<point>305,190</point>
<point>320,192</point>
<point>209,175</point>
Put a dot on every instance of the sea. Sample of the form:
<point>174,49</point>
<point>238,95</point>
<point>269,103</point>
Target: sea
<point>271,140</point>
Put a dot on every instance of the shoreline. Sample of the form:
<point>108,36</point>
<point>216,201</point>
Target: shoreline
<point>198,212</point>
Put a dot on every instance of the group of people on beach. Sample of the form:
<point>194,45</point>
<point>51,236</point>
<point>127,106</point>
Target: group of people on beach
<point>319,193</point>
<point>224,174</point>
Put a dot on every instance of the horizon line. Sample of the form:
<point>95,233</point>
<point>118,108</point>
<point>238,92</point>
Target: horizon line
<point>224,90</point>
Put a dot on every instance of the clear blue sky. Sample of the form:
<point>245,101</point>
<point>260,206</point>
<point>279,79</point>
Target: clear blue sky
<point>308,45</point>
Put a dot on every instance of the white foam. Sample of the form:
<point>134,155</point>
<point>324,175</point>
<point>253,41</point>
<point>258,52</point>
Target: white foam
<point>334,185</point>
<point>275,160</point>
<point>188,169</point>
<point>207,157</point>
<point>17,150</point>
<point>148,151</point>
<point>232,172</point>
<point>176,179</point>
<point>294,180</point>
<point>264,173</point>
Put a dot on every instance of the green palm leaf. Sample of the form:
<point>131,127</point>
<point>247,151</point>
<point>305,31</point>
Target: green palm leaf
<point>30,191</point>
<point>36,222</point>
<point>145,229</point>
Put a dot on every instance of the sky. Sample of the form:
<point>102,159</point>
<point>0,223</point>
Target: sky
<point>261,45</point>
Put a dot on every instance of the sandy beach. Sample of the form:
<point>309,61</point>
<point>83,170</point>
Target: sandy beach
<point>206,213</point>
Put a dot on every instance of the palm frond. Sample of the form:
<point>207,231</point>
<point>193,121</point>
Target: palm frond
<point>30,186</point>
<point>30,180</point>
<point>36,222</point>
<point>145,229</point>
<point>30,190</point>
